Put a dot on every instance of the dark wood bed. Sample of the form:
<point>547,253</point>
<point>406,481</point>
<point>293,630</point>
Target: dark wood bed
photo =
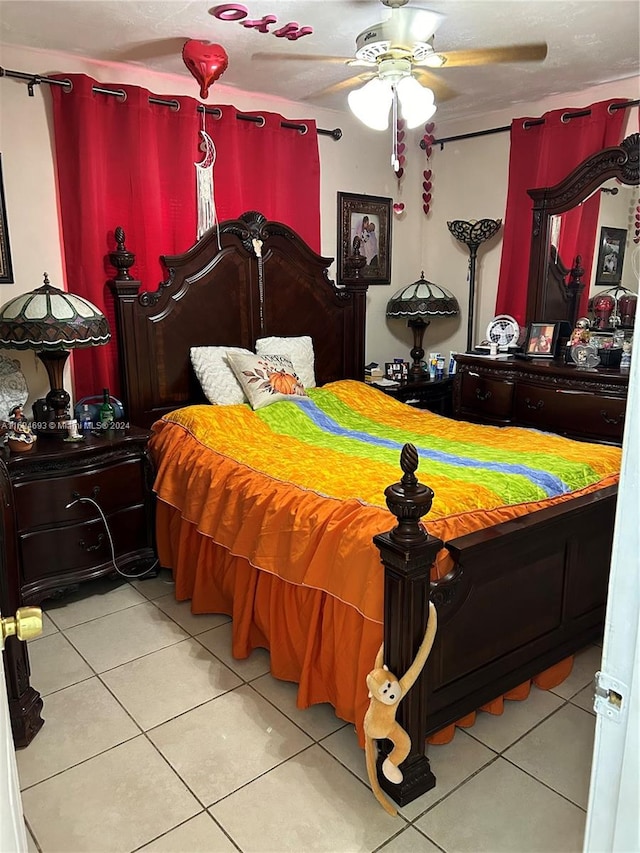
<point>523,595</point>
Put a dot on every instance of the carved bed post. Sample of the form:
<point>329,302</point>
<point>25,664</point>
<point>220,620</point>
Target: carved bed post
<point>408,553</point>
<point>125,290</point>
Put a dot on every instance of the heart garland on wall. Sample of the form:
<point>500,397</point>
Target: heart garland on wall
<point>427,186</point>
<point>398,206</point>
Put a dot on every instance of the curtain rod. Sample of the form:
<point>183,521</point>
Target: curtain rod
<point>35,79</point>
<point>568,115</point>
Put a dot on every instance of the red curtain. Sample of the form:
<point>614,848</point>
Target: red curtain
<point>541,156</point>
<point>130,162</point>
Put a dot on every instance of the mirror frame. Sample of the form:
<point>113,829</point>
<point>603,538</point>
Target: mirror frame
<point>619,162</point>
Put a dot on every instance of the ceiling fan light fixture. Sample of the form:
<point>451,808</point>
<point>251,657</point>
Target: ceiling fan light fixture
<point>416,102</point>
<point>371,103</point>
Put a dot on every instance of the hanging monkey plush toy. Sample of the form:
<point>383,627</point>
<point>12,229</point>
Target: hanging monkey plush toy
<point>385,692</point>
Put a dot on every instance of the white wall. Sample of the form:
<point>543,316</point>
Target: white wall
<point>469,182</point>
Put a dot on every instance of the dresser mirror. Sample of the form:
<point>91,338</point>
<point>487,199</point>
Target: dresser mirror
<point>613,168</point>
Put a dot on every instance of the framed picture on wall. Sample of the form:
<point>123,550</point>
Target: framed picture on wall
<point>6,269</point>
<point>364,238</point>
<point>610,256</point>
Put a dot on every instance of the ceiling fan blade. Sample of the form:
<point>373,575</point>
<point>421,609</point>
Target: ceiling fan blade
<point>409,24</point>
<point>303,57</point>
<point>349,83</point>
<point>441,91</point>
<point>494,55</point>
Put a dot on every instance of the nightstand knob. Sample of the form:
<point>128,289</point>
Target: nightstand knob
<point>27,624</point>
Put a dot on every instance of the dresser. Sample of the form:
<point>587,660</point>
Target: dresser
<point>68,508</point>
<point>542,393</point>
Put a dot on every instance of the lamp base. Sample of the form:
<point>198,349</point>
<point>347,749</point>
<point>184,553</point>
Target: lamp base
<point>416,371</point>
<point>57,400</point>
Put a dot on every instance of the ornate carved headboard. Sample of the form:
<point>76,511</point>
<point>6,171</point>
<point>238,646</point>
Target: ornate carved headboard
<point>228,295</point>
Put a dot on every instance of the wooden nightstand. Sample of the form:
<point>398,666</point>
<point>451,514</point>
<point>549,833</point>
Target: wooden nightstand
<point>52,539</point>
<point>432,394</point>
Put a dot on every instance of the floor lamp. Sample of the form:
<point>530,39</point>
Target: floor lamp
<point>473,234</point>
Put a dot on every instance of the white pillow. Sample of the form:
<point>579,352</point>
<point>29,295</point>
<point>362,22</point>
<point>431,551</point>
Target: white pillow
<point>299,350</point>
<point>266,379</point>
<point>214,374</point>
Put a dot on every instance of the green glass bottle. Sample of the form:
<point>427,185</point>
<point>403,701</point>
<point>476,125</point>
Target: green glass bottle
<point>107,413</point>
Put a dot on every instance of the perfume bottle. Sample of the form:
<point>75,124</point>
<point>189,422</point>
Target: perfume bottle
<point>86,421</point>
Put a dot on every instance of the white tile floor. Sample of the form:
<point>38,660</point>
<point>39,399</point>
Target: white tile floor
<point>156,739</point>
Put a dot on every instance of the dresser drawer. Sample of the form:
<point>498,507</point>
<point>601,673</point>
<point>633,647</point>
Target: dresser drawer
<point>73,548</point>
<point>485,397</point>
<point>41,503</point>
<point>575,413</point>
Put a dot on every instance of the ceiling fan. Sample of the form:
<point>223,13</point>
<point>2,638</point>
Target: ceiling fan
<point>400,54</point>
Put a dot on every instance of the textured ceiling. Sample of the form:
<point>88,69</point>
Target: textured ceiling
<point>589,43</point>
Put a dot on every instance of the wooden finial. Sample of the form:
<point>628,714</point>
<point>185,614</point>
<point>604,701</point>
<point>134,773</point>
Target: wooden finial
<point>409,500</point>
<point>121,259</point>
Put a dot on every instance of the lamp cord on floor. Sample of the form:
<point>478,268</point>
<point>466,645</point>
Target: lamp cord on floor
<point>110,537</point>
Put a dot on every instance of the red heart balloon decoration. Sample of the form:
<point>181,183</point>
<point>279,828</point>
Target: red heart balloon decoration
<point>401,159</point>
<point>400,135</point>
<point>401,148</point>
<point>398,207</point>
<point>426,208</point>
<point>427,151</point>
<point>426,186</point>
<point>206,62</point>
<point>430,127</point>
<point>399,173</point>
<point>427,174</point>
<point>426,197</point>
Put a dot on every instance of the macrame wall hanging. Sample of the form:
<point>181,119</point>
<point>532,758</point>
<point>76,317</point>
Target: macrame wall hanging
<point>205,197</point>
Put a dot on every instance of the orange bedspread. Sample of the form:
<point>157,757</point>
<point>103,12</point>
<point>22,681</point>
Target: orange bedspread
<point>270,515</point>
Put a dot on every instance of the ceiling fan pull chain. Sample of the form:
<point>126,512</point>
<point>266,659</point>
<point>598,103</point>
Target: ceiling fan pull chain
<point>395,164</point>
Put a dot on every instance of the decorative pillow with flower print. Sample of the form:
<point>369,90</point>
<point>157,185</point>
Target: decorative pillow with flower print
<point>265,379</point>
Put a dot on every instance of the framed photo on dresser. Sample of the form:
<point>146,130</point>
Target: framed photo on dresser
<point>541,340</point>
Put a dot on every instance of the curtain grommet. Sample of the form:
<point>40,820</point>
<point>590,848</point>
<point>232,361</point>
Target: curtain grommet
<point>565,118</point>
<point>120,93</point>
<point>303,130</point>
<point>68,85</point>
<point>261,121</point>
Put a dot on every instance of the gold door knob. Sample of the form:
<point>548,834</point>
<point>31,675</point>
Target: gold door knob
<point>26,625</point>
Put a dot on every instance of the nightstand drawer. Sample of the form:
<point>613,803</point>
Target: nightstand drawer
<point>72,548</point>
<point>43,502</point>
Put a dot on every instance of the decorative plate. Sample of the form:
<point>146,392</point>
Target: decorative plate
<point>504,331</point>
<point>13,386</point>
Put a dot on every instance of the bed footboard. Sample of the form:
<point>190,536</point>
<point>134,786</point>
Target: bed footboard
<point>523,596</point>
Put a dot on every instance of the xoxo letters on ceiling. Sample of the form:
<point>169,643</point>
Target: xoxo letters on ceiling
<point>236,12</point>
